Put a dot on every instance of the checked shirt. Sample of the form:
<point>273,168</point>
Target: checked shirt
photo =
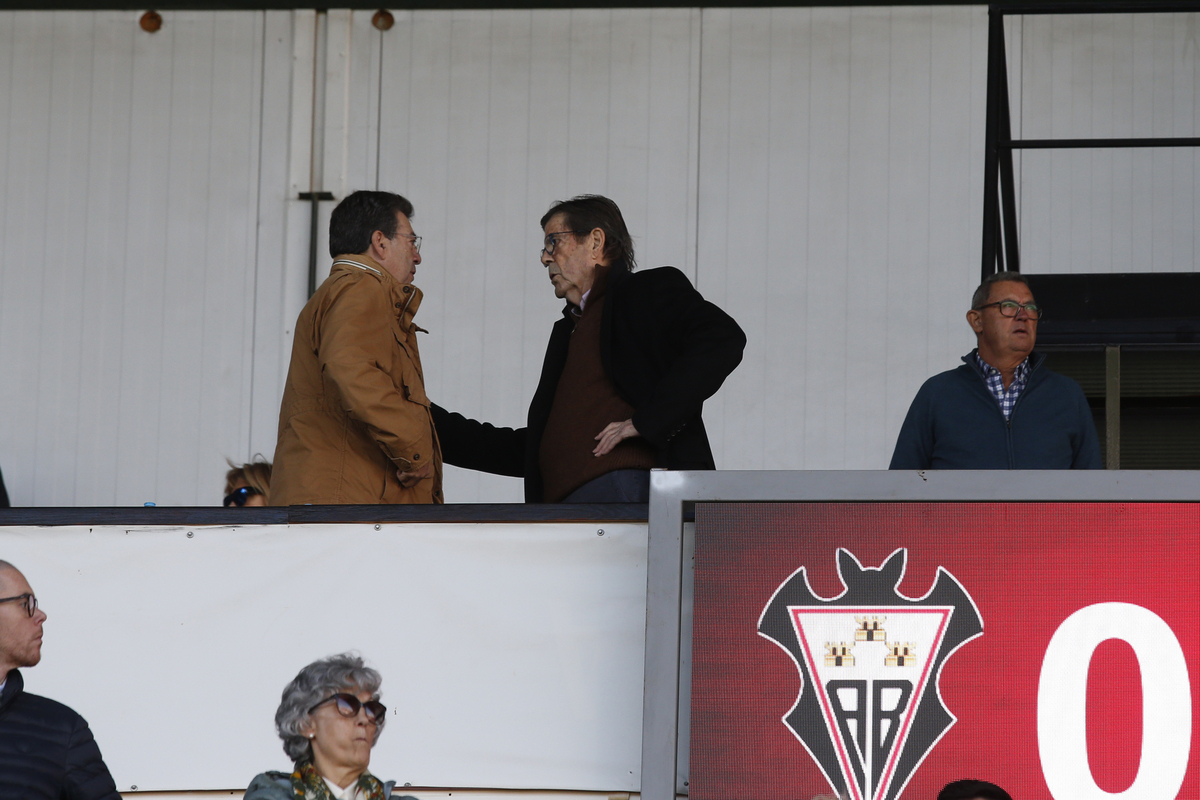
<point>995,383</point>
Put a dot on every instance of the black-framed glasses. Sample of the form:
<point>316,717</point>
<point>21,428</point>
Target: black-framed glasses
<point>348,706</point>
<point>239,496</point>
<point>413,238</point>
<point>30,601</point>
<point>551,240</point>
<point>1010,308</point>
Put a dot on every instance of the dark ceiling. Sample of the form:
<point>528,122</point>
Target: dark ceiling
<point>247,5</point>
<point>1019,6</point>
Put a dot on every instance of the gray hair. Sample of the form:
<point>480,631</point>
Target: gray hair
<point>985,289</point>
<point>319,680</point>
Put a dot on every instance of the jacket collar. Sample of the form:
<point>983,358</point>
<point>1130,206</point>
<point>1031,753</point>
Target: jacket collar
<point>406,298</point>
<point>12,688</point>
<point>608,276</point>
<point>360,262</point>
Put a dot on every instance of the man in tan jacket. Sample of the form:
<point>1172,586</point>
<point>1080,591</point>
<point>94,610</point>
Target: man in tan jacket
<point>355,424</point>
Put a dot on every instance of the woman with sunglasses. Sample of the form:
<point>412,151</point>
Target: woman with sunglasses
<point>249,484</point>
<point>329,719</point>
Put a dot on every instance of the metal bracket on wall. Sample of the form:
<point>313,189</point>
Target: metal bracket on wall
<point>1112,406</point>
<point>315,199</point>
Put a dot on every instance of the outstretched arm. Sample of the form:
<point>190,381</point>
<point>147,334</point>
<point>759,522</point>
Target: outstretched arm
<point>478,445</point>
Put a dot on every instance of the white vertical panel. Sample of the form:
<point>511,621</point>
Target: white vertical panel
<point>1100,76</point>
<point>958,107</point>
<point>723,110</point>
<point>209,187</point>
<point>874,106</point>
<point>282,241</point>
<point>60,313</point>
<point>821,414</point>
<point>840,209</point>
<point>297,225</point>
<point>26,160</point>
<point>351,102</point>
<point>107,231</point>
<point>490,117</point>
<point>127,274</point>
<point>935,221</point>
<point>231,177</point>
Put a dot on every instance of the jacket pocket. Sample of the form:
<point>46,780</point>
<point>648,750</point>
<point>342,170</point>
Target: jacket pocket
<point>413,386</point>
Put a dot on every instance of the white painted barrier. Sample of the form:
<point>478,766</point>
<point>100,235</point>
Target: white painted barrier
<point>512,653</point>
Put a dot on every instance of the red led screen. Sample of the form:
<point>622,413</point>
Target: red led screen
<point>880,650</point>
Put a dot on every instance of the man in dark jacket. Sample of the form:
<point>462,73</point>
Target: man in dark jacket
<point>1001,409</point>
<point>626,372</point>
<point>46,750</point>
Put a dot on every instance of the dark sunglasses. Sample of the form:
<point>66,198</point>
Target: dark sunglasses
<point>238,497</point>
<point>348,706</point>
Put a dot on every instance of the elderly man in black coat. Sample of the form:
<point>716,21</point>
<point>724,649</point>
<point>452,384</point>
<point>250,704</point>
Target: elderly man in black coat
<point>626,372</point>
<point>46,749</point>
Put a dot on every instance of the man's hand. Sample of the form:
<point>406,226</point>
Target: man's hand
<point>411,479</point>
<point>612,435</point>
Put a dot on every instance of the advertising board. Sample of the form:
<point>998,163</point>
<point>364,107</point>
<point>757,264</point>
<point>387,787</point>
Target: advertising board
<point>877,651</point>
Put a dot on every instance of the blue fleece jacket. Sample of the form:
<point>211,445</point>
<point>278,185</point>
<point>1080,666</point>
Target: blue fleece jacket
<point>954,422</point>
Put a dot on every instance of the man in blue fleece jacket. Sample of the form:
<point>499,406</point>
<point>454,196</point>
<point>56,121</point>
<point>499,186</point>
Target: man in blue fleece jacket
<point>1001,409</point>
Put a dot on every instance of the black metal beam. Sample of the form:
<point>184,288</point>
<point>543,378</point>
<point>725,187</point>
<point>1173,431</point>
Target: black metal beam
<point>300,515</point>
<point>1067,144</point>
<point>1026,7</point>
<point>1011,257</point>
<point>314,198</point>
<point>991,161</point>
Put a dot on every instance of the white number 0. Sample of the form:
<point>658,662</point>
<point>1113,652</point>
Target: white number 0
<point>1166,703</point>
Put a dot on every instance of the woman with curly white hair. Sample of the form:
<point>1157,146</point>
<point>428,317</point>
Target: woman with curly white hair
<point>329,719</point>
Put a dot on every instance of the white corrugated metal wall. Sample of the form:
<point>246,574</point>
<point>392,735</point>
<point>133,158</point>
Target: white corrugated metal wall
<point>129,205</point>
<point>818,172</point>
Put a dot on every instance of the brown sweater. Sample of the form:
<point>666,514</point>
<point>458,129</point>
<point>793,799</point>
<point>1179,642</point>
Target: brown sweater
<point>585,402</point>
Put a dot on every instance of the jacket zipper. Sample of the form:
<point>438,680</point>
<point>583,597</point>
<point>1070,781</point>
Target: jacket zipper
<point>1012,457</point>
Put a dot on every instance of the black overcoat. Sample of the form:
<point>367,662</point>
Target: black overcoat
<point>666,350</point>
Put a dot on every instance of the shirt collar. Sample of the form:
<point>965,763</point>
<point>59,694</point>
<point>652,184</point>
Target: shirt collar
<point>341,794</point>
<point>1018,374</point>
<point>598,287</point>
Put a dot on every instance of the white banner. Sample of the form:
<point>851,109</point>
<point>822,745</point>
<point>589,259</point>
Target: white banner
<point>512,654</point>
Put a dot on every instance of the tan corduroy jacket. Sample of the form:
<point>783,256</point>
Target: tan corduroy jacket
<point>354,407</point>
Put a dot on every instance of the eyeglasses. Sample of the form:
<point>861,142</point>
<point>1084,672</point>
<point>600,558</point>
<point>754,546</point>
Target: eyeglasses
<point>28,598</point>
<point>413,238</point>
<point>1010,308</point>
<point>552,240</point>
<point>348,706</point>
<point>239,496</point>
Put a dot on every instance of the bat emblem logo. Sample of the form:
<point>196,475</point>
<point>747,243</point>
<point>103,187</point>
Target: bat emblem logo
<point>869,709</point>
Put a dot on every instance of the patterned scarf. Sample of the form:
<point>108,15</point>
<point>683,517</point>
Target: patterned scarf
<point>309,785</point>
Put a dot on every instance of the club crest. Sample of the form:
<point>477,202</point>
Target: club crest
<point>869,709</point>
